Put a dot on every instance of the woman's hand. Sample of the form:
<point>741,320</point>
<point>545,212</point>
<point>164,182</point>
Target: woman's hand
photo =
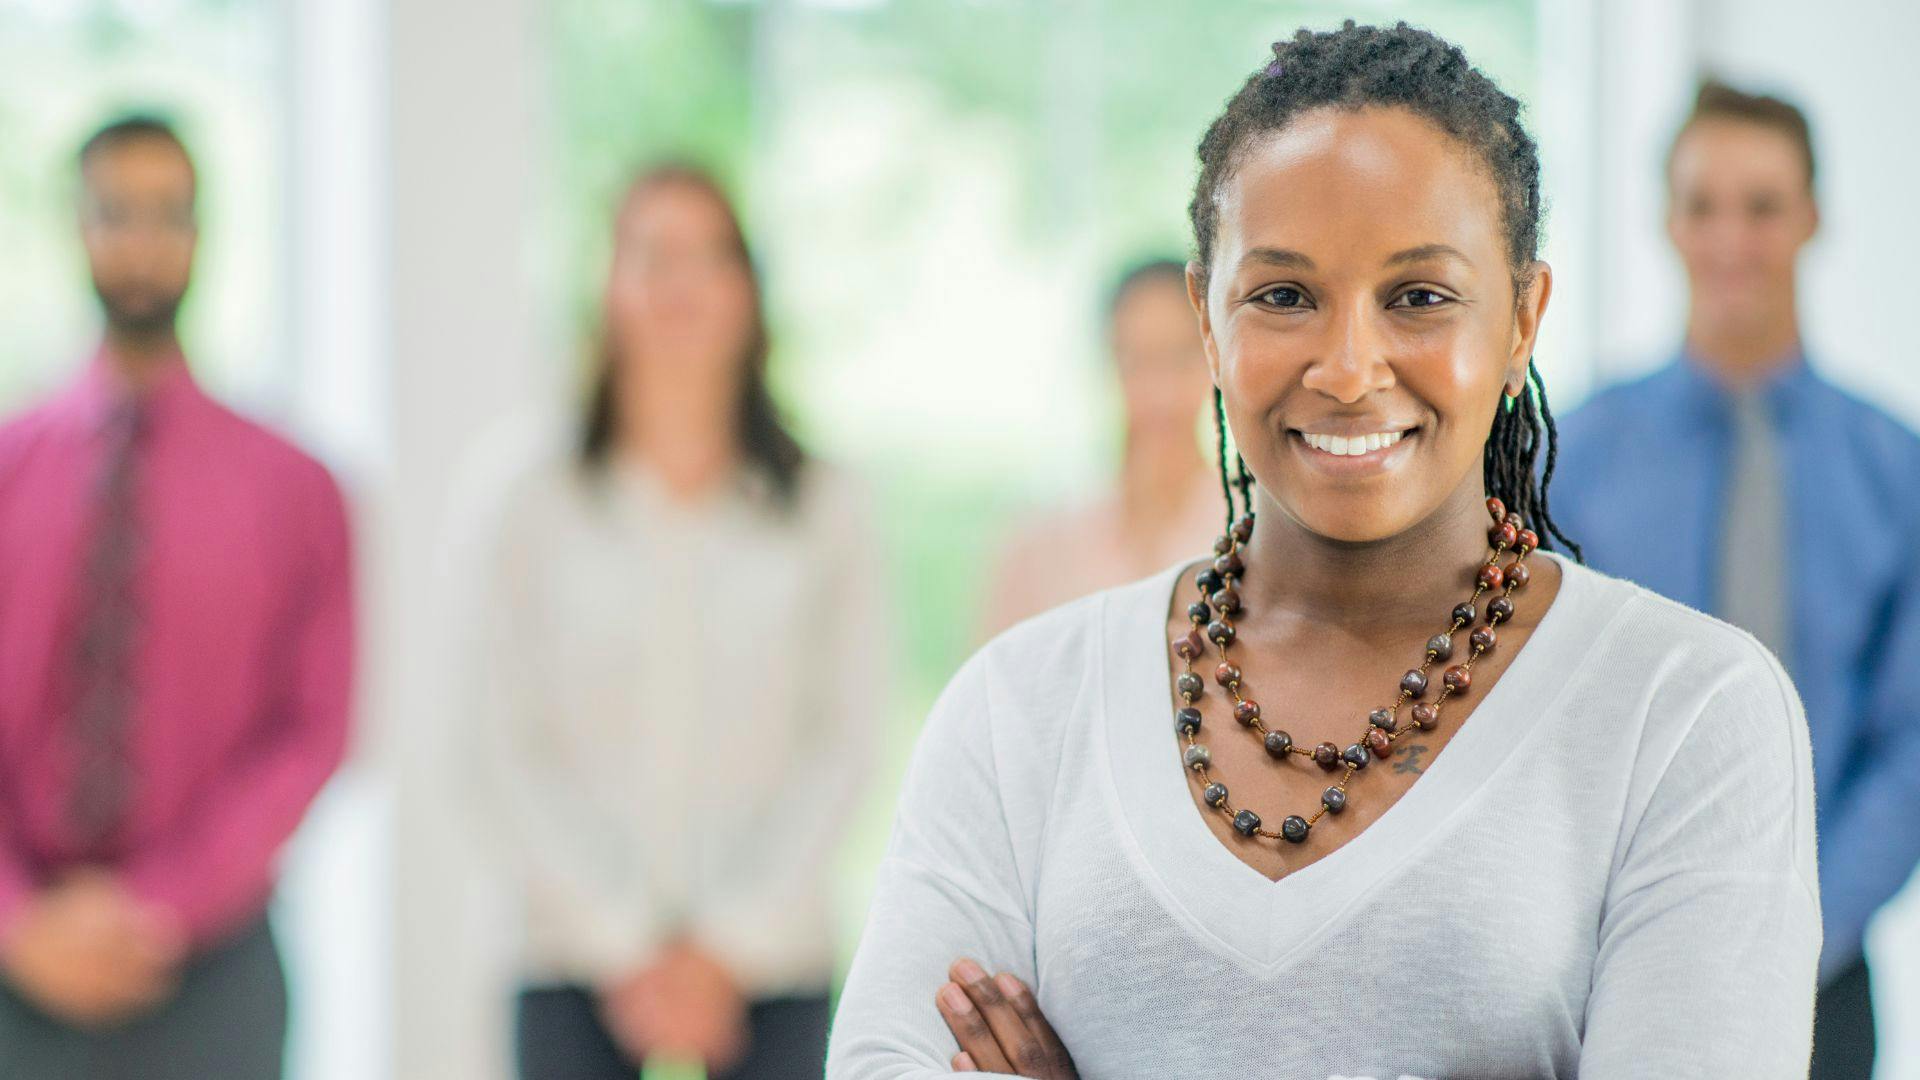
<point>999,1026</point>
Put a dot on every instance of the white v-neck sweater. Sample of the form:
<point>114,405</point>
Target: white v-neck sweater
<point>1608,871</point>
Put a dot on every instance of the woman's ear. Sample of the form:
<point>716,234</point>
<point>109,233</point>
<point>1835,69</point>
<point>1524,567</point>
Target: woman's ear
<point>1197,296</point>
<point>1528,311</point>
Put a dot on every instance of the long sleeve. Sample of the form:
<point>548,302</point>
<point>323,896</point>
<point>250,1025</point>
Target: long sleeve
<point>553,839</point>
<point>949,887</point>
<point>1716,868</point>
<point>849,661</point>
<point>218,866</point>
<point>1871,839</point>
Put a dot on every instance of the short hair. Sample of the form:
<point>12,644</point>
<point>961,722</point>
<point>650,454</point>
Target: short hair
<point>129,129</point>
<point>1717,100</point>
<point>1140,273</point>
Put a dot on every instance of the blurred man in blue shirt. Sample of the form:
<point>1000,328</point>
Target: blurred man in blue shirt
<point>1737,480</point>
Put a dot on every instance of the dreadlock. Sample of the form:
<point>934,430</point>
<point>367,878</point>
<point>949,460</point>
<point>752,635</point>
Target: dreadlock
<point>1401,67</point>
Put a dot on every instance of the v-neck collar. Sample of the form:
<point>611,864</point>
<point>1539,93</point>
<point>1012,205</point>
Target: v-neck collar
<point>1260,923</point>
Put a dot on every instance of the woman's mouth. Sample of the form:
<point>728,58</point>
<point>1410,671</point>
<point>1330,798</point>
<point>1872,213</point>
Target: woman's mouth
<point>1353,454</point>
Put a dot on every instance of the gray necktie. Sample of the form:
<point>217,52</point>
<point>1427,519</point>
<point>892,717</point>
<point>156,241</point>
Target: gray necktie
<point>1753,534</point>
<point>105,637</point>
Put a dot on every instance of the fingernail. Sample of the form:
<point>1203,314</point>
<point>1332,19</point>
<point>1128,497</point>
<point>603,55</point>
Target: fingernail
<point>1008,985</point>
<point>955,998</point>
<point>969,971</point>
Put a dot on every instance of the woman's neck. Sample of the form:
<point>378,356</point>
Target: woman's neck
<point>685,432</point>
<point>1380,588</point>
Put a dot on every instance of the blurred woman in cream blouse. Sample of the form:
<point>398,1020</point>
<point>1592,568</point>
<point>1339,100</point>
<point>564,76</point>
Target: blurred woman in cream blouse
<point>676,666</point>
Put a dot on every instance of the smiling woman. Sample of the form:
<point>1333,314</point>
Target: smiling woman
<point>1584,847</point>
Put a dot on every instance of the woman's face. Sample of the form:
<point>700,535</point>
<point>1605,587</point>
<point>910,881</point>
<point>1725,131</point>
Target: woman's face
<point>679,296</point>
<point>1360,318</point>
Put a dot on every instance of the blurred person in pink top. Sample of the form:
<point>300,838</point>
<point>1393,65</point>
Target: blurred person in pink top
<point>176,640</point>
<point>1167,503</point>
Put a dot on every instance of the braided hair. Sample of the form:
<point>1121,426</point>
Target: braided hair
<point>1408,68</point>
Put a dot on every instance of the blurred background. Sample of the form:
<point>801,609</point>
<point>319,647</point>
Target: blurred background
<point>405,224</point>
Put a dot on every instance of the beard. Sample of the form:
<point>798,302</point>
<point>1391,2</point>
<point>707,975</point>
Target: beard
<point>138,311</point>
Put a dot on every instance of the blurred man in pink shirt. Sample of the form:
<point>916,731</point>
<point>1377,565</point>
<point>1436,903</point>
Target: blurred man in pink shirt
<point>176,644</point>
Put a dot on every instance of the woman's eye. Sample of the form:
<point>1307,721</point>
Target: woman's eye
<point>1420,298</point>
<point>1281,297</point>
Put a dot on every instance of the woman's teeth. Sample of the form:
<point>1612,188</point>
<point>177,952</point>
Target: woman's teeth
<point>1352,446</point>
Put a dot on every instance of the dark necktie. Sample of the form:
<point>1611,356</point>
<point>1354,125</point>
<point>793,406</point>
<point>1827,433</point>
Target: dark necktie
<point>1753,538</point>
<point>106,633</point>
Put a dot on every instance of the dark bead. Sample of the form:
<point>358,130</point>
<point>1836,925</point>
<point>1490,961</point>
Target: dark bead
<point>1499,609</point>
<point>1503,535</point>
<point>1383,719</point>
<point>1220,632</point>
<point>1243,529</point>
<point>1334,800</point>
<point>1518,575</point>
<point>1226,674</point>
<point>1483,639</point>
<point>1197,757</point>
<point>1490,577</point>
<point>1440,645</point>
<point>1209,581</point>
<point>1379,744</point>
<point>1245,822</point>
<point>1295,828</point>
<point>1457,679</point>
<point>1247,712</point>
<point>1215,794</point>
<point>1356,756</point>
<point>1463,613</point>
<point>1227,600</point>
<point>1516,521</point>
<point>1229,565</point>
<point>1188,684</point>
<point>1414,682</point>
<point>1190,645</point>
<point>1198,612</point>
<point>1327,756</point>
<point>1278,743</point>
<point>1425,717</point>
<point>1496,509</point>
<point>1187,720</point>
<point>1528,540</point>
<point>1222,545</point>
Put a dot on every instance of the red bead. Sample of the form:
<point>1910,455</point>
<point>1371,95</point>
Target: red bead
<point>1490,577</point>
<point>1226,675</point>
<point>1190,645</point>
<point>1503,535</point>
<point>1247,712</point>
<point>1518,575</point>
<point>1457,679</point>
<point>1378,742</point>
<point>1425,716</point>
<point>1496,509</point>
<point>1243,529</point>
<point>1327,756</point>
<point>1516,521</point>
<point>1227,600</point>
<point>1483,639</point>
<point>1529,540</point>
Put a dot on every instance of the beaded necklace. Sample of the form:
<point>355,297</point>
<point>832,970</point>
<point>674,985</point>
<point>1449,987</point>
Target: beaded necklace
<point>1220,603</point>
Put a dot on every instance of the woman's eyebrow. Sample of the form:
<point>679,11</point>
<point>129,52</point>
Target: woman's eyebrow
<point>1426,251</point>
<point>1273,256</point>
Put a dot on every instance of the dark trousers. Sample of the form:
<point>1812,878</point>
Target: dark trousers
<point>1843,1027</point>
<point>559,1037</point>
<point>227,1021</point>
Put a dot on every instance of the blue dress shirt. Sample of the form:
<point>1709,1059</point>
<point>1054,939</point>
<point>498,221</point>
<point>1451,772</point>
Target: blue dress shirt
<point>1640,484</point>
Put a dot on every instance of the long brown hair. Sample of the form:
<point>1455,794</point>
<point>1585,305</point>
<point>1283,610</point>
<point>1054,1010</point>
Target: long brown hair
<point>765,441</point>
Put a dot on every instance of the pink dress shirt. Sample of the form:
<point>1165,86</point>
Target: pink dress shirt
<point>241,668</point>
